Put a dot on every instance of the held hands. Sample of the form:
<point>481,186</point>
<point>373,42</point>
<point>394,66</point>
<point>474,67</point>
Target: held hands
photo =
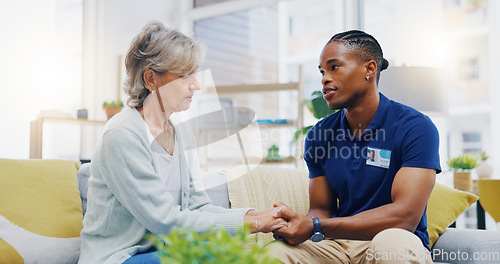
<point>264,220</point>
<point>299,228</point>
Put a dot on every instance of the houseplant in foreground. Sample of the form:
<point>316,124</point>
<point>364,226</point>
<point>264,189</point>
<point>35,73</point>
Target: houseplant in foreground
<point>213,246</point>
<point>461,167</point>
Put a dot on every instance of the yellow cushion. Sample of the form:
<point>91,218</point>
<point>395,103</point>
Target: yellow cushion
<point>40,211</point>
<point>444,207</point>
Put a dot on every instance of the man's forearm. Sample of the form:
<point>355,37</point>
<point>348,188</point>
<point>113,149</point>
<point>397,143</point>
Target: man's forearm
<point>319,213</point>
<point>365,225</point>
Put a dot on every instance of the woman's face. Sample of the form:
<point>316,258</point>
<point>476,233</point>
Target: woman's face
<point>177,91</point>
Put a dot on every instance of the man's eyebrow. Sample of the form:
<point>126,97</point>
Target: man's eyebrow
<point>328,62</point>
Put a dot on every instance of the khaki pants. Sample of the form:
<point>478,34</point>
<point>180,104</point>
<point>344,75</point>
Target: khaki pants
<point>389,246</point>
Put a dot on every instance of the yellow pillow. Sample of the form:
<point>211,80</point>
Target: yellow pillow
<point>40,211</point>
<point>444,207</point>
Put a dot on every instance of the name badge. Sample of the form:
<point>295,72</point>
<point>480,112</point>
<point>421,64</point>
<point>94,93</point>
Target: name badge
<point>378,157</point>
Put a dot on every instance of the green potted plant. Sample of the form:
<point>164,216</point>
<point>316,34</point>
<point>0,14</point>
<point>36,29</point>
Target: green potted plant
<point>461,167</point>
<point>112,108</point>
<point>318,107</point>
<point>213,246</point>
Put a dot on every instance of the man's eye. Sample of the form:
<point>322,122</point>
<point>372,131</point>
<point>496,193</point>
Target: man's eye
<point>334,67</point>
<point>322,73</point>
<point>184,76</point>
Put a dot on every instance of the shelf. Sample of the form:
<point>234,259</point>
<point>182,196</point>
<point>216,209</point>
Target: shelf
<point>296,122</point>
<point>255,88</point>
<point>36,131</point>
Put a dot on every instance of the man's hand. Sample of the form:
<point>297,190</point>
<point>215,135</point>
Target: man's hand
<point>299,229</point>
<point>264,220</point>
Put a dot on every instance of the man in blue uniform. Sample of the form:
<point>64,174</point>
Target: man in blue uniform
<point>372,167</point>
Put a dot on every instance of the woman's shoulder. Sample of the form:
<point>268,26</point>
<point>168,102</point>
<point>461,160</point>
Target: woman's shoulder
<point>128,119</point>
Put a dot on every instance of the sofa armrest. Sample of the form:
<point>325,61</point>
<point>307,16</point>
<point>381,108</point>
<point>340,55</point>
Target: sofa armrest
<point>83,185</point>
<point>467,246</point>
<point>215,184</point>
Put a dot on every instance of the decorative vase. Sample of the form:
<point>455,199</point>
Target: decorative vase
<point>484,170</point>
<point>462,181</point>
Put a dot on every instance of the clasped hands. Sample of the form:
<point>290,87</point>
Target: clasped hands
<point>286,225</point>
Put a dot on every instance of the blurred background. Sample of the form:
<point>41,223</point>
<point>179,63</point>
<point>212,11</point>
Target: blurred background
<point>59,56</point>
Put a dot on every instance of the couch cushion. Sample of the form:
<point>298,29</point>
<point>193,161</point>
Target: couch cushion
<point>40,211</point>
<point>262,186</point>
<point>444,207</point>
<point>468,246</point>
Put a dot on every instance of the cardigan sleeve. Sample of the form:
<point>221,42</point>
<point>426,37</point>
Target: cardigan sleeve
<point>126,166</point>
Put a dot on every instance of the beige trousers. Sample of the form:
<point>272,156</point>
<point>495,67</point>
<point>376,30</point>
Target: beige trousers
<point>389,246</point>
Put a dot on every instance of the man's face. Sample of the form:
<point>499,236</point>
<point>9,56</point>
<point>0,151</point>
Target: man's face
<point>344,83</point>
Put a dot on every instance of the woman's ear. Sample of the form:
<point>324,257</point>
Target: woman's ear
<point>150,79</point>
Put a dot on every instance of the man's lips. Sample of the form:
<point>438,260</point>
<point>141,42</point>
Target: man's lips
<point>328,92</point>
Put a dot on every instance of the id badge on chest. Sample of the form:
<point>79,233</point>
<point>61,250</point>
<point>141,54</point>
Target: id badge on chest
<point>378,157</point>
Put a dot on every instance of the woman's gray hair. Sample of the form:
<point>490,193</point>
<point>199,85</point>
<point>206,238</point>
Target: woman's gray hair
<point>161,49</point>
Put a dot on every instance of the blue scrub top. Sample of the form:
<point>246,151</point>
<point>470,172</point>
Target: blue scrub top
<point>398,136</point>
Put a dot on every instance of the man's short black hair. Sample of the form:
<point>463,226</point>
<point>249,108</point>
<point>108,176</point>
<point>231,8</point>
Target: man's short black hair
<point>364,46</point>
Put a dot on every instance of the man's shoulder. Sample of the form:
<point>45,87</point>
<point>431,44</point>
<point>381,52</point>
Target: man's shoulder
<point>406,114</point>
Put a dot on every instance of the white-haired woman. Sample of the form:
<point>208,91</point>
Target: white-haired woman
<point>144,179</point>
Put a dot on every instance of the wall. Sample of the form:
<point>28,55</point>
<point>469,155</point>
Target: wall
<point>28,40</point>
<point>494,85</point>
<point>30,73</point>
<point>109,28</point>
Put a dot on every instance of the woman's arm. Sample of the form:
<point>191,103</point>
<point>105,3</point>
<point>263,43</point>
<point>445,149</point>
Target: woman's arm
<point>125,165</point>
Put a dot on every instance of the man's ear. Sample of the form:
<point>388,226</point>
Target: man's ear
<point>150,79</point>
<point>371,68</point>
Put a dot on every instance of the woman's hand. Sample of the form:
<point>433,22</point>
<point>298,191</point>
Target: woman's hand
<point>299,228</point>
<point>263,220</point>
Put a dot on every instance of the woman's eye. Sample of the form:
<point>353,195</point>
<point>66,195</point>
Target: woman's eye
<point>184,76</point>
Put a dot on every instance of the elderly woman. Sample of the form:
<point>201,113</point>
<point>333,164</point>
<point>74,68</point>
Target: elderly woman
<point>144,179</point>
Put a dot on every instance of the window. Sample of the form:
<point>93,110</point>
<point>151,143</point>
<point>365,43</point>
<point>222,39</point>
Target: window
<point>243,46</point>
<point>452,3</point>
<point>468,69</point>
<point>471,142</point>
<point>200,3</point>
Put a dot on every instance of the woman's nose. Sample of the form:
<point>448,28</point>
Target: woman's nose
<point>195,85</point>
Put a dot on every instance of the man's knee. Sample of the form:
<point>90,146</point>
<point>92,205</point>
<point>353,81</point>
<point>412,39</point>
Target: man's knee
<point>401,245</point>
<point>395,238</point>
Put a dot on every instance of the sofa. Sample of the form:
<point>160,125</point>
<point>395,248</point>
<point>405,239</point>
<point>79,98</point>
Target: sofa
<point>42,203</point>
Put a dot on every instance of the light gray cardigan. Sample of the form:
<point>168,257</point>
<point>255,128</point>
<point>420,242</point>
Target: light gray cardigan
<point>127,199</point>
